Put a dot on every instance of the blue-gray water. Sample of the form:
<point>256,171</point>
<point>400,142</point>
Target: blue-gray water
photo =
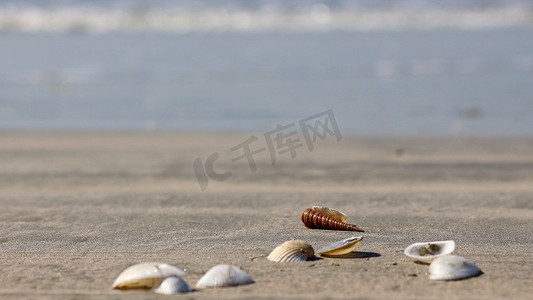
<point>185,16</point>
<point>384,82</point>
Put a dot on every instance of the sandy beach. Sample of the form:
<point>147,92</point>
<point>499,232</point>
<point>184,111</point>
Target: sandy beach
<point>78,208</point>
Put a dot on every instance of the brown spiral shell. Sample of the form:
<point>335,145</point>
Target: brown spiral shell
<point>314,219</point>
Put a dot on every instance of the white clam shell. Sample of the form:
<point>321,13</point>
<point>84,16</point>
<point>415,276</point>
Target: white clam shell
<point>292,251</point>
<point>341,247</point>
<point>222,276</point>
<point>145,275</point>
<point>335,214</point>
<point>428,251</point>
<point>172,285</point>
<point>453,267</point>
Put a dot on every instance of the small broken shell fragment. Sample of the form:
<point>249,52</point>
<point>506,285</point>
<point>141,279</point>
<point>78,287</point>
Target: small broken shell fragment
<point>341,247</point>
<point>292,251</point>
<point>429,251</point>
<point>335,214</point>
<point>222,276</point>
<point>316,219</point>
<point>453,267</point>
<point>172,285</point>
<point>145,275</point>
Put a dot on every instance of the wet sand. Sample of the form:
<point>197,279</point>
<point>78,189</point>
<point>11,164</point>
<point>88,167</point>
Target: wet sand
<point>78,208</point>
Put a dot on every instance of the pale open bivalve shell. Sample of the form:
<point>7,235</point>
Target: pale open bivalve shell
<point>335,214</point>
<point>428,251</point>
<point>145,275</point>
<point>341,247</point>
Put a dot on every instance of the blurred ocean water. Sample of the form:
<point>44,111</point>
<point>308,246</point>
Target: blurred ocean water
<point>258,15</point>
<point>464,67</point>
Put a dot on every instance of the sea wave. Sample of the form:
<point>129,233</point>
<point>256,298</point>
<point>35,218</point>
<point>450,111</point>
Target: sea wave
<point>316,17</point>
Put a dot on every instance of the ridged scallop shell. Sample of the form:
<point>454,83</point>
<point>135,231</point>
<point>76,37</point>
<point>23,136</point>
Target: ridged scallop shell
<point>145,275</point>
<point>315,219</point>
<point>172,285</point>
<point>222,276</point>
<point>341,247</point>
<point>428,251</point>
<point>292,251</point>
<point>453,267</point>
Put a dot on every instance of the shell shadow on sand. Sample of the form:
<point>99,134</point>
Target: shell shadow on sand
<point>358,254</point>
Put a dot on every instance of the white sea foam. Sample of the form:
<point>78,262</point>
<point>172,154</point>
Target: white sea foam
<point>317,17</point>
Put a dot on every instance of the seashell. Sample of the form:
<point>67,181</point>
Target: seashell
<point>292,251</point>
<point>172,285</point>
<point>145,275</point>
<point>341,247</point>
<point>315,219</point>
<point>222,276</point>
<point>429,251</point>
<point>453,267</point>
<point>335,214</point>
